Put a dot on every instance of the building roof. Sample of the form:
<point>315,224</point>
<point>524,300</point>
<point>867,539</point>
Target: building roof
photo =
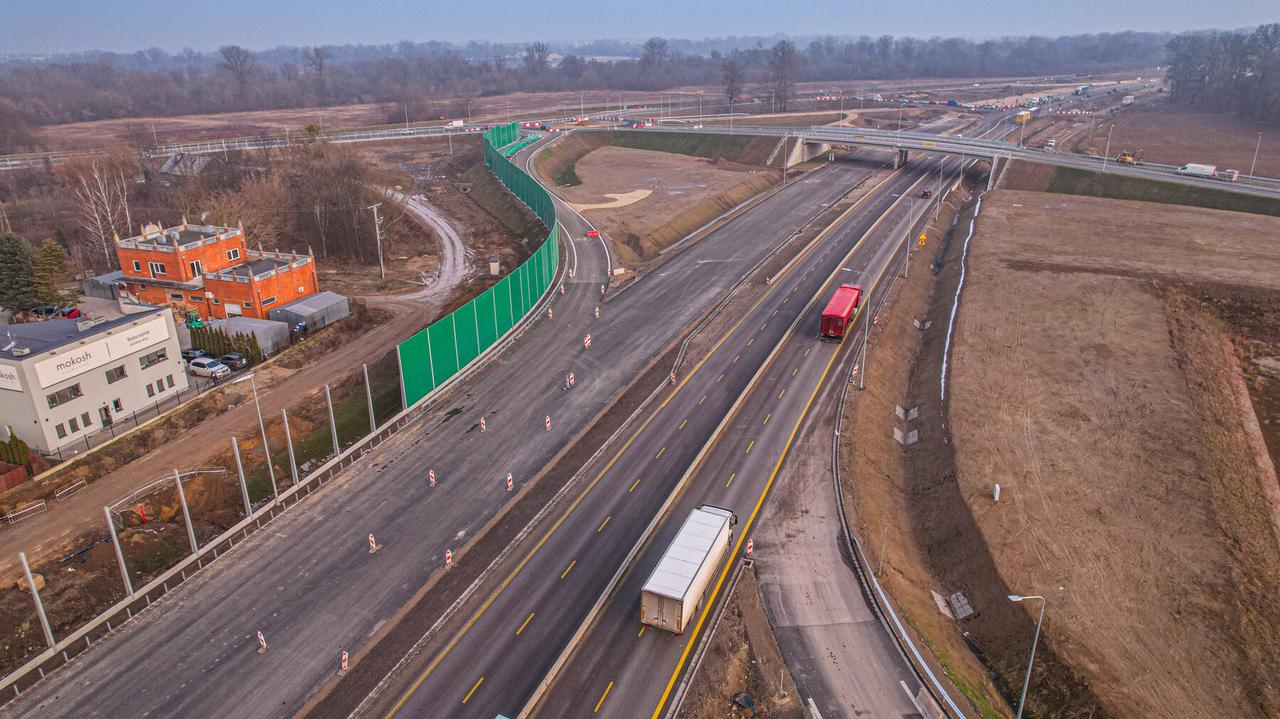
<point>695,540</point>
<point>49,335</point>
<point>240,323</point>
<point>256,266</point>
<point>313,303</point>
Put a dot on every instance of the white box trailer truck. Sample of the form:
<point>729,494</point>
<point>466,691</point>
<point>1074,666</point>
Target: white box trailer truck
<point>1194,170</point>
<point>679,583</point>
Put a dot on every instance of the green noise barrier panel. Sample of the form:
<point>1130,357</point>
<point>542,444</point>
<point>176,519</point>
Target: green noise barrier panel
<point>433,356</point>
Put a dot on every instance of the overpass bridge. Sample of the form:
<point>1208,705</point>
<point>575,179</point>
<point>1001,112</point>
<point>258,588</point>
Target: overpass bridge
<point>995,151</point>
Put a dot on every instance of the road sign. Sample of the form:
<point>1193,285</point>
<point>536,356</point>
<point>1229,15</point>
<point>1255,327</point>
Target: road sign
<point>923,237</point>
<point>262,644</point>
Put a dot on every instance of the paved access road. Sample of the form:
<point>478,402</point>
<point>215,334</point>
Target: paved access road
<point>309,583</point>
<point>494,664</point>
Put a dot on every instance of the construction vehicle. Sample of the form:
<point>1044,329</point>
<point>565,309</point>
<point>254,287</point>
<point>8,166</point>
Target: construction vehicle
<point>1129,157</point>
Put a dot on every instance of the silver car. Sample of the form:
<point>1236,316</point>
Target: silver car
<point>208,367</point>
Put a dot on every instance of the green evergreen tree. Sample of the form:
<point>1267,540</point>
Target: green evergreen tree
<point>17,288</point>
<point>52,276</point>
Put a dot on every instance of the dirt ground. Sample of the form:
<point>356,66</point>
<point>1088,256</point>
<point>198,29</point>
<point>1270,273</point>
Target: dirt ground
<point>1136,493</point>
<point>1175,134</point>
<point>677,185</point>
<point>742,656</point>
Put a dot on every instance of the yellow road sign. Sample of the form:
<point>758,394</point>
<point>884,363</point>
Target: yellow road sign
<point>922,239</point>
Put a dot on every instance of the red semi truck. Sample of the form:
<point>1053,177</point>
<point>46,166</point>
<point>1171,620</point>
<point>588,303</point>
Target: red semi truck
<point>839,311</point>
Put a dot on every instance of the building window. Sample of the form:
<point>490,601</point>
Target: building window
<point>84,420</point>
<point>64,395</point>
<point>137,266</point>
<point>247,305</point>
<point>71,424</point>
<point>62,431</point>
<point>168,379</point>
<point>115,374</point>
<point>153,358</point>
<point>268,301</point>
<point>151,391</point>
<point>116,405</point>
<point>175,295</point>
<point>197,268</point>
<point>217,301</point>
<point>160,386</point>
<point>233,253</point>
<point>195,298</point>
<point>157,268</point>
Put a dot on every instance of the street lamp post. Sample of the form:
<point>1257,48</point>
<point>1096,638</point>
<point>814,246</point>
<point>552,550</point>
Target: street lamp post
<point>266,450</point>
<point>1026,682</point>
<point>1256,147</point>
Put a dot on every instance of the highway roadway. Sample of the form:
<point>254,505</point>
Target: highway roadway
<point>309,582</point>
<point>494,663</point>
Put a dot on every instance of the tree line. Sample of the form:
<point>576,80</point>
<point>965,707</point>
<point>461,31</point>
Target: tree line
<point>95,86</point>
<point>1231,71</point>
<point>33,278</point>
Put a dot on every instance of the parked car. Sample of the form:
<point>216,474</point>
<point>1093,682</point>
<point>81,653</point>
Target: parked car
<point>193,353</point>
<point>72,313</point>
<point>234,360</point>
<point>208,367</point>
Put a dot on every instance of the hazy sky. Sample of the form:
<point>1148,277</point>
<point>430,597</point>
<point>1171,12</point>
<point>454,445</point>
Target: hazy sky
<point>42,26</point>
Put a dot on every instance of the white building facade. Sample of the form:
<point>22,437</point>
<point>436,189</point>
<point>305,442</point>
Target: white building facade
<point>61,380</point>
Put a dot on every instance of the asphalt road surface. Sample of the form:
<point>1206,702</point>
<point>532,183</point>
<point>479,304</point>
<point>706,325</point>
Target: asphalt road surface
<point>494,665</point>
<point>309,582</point>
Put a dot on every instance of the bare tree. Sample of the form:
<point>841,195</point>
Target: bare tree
<point>101,195</point>
<point>316,60</point>
<point>782,71</point>
<point>655,54</point>
<point>241,63</point>
<point>536,58</point>
<point>732,73</point>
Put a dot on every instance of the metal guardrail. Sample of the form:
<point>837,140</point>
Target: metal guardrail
<point>70,489</point>
<point>27,512</point>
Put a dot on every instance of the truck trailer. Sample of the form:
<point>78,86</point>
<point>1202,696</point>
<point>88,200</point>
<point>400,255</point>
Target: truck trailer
<point>679,583</point>
<point>839,311</point>
<point>1194,170</point>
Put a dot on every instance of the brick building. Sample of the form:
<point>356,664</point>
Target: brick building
<point>211,270</point>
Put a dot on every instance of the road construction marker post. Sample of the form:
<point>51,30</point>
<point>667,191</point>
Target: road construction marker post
<point>262,644</point>
<point>570,273</point>
<point>186,515</point>
<point>431,477</point>
<point>751,546</point>
<point>597,311</point>
<point>115,542</point>
<point>342,671</point>
<point>373,544</point>
<point>586,342</point>
<point>673,377</point>
<point>510,482</point>
<point>448,558</point>
<point>288,441</point>
<point>570,379</point>
<point>482,424</point>
<point>35,595</point>
<point>562,289</point>
<point>333,426</point>
<point>548,423</point>
<point>550,315</point>
<point>602,290</point>
<point>244,488</point>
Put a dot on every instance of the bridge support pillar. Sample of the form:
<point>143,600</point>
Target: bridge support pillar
<point>899,158</point>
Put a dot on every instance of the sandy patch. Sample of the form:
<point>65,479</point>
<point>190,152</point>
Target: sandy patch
<point>619,200</point>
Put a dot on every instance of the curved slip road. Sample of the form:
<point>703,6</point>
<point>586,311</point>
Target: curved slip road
<point>308,582</point>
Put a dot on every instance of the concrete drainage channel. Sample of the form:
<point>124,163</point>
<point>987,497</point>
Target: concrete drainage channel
<point>104,624</point>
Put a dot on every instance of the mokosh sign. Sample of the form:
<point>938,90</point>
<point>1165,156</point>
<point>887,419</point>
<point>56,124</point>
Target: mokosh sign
<point>9,378</point>
<point>123,341</point>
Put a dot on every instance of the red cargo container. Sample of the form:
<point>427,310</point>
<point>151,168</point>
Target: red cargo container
<point>835,318</point>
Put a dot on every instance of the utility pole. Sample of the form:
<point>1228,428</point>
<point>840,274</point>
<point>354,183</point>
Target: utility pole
<point>1256,147</point>
<point>1107,152</point>
<point>377,226</point>
<point>406,115</point>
